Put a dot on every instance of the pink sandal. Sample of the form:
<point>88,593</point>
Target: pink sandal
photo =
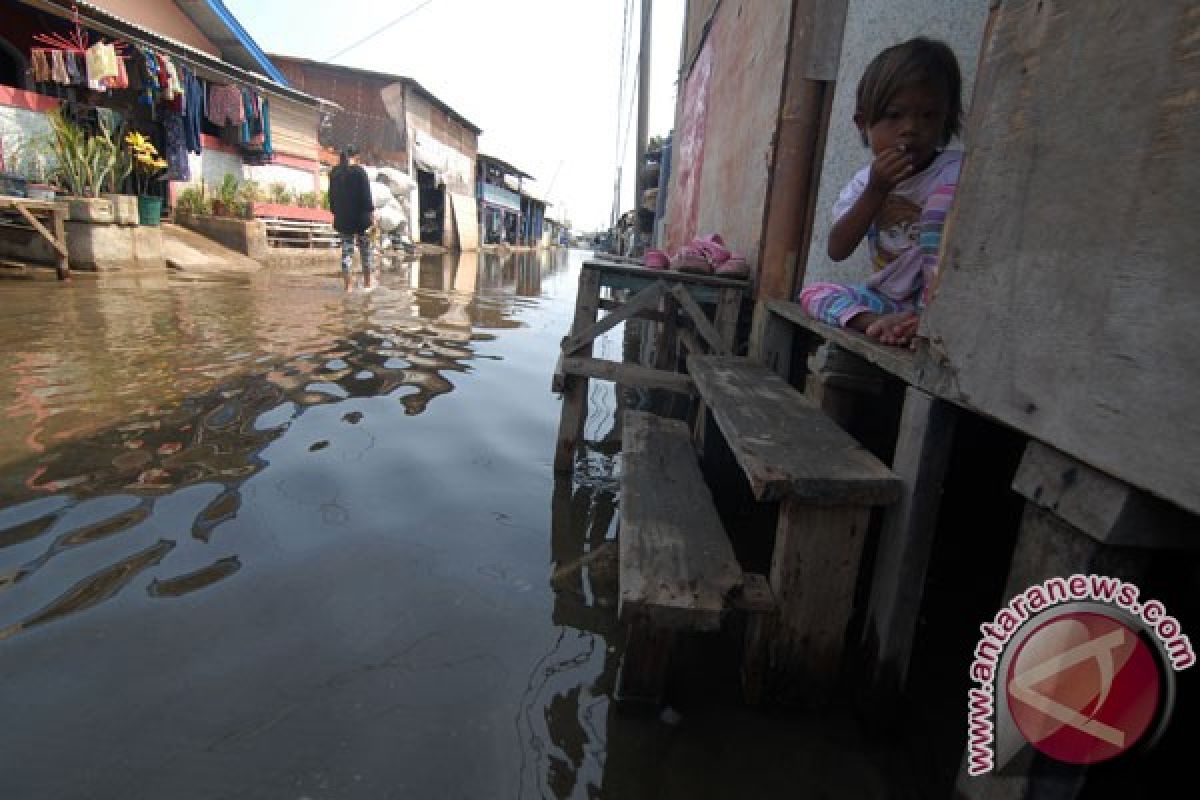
<point>656,259</point>
<point>733,267</point>
<point>713,247</point>
<point>691,259</point>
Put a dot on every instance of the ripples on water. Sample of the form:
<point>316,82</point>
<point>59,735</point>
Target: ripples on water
<point>138,394</point>
<point>143,423</point>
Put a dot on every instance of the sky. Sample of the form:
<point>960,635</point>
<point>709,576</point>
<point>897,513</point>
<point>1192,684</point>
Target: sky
<point>540,77</point>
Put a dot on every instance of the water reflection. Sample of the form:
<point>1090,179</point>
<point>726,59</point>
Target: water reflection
<point>134,396</point>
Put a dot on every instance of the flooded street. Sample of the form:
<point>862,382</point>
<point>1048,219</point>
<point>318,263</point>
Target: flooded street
<point>260,539</point>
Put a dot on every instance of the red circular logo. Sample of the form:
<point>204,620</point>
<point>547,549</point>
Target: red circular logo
<point>1083,687</point>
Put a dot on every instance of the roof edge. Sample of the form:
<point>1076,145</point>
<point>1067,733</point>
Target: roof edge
<point>247,41</point>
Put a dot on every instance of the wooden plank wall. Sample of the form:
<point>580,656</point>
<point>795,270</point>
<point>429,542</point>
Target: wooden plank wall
<point>294,128</point>
<point>1070,290</point>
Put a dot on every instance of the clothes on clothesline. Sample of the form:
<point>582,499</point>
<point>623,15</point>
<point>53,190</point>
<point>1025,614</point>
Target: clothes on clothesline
<point>176,97</point>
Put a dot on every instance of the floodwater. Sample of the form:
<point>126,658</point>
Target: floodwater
<point>260,539</point>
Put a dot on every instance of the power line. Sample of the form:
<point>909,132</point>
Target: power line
<point>378,31</point>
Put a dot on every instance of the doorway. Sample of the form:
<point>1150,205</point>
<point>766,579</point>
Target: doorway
<point>432,205</point>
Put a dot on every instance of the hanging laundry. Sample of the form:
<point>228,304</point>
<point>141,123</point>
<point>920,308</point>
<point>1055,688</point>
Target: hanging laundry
<point>176,150</point>
<point>193,110</point>
<point>225,105</point>
<point>101,64</point>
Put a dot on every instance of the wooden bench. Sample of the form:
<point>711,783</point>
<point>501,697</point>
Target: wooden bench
<point>46,219</point>
<point>677,567</point>
<point>826,483</point>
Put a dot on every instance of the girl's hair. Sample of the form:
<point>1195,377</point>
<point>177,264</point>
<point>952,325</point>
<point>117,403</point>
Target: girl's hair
<point>917,62</point>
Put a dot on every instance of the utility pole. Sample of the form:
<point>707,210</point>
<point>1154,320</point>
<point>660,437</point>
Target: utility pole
<point>643,91</point>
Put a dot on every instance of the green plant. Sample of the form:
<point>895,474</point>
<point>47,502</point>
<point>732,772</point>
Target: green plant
<point>280,193</point>
<point>122,168</point>
<point>325,201</point>
<point>227,194</point>
<point>251,192</point>
<point>195,200</point>
<point>308,200</point>
<point>82,163</point>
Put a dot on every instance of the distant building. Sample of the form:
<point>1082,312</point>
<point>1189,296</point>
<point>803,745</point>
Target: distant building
<point>509,211</point>
<point>396,122</point>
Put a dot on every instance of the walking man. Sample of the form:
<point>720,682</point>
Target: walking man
<point>350,201</point>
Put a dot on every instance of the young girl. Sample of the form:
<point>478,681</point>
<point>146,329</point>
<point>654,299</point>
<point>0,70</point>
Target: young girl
<point>908,109</point>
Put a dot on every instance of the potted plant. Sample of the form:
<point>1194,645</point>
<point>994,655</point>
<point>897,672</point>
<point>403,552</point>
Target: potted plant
<point>125,206</point>
<point>225,203</point>
<point>82,164</point>
<point>194,201</point>
<point>148,166</point>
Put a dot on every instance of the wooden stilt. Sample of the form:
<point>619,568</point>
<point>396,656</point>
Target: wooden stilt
<point>643,671</point>
<point>906,541</point>
<point>574,410</point>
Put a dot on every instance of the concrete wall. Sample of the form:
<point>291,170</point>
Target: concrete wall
<point>296,179</point>
<point>212,166</point>
<point>748,42</point>
<point>872,25</point>
<point>161,17</point>
<point>248,237</point>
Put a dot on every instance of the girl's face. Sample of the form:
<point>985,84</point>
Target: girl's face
<point>914,118</point>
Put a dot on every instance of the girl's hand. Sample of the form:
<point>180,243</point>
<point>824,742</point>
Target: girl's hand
<point>889,168</point>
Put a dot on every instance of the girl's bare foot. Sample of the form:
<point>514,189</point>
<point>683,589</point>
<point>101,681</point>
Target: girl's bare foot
<point>896,329</point>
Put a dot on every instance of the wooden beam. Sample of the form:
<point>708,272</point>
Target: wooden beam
<point>643,301</point>
<point>1108,510</point>
<point>628,374</point>
<point>700,320</point>
<point>40,228</point>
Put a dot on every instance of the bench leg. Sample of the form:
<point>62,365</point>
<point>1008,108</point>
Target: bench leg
<point>813,573</point>
<point>643,673</point>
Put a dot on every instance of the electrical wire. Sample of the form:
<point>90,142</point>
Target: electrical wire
<point>378,31</point>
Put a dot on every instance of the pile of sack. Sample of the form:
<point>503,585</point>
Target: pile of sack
<point>390,192</point>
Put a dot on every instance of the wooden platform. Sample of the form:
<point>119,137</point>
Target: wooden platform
<point>45,218</point>
<point>899,361</point>
<point>677,565</point>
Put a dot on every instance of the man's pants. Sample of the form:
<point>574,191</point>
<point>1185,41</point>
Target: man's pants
<point>364,252</point>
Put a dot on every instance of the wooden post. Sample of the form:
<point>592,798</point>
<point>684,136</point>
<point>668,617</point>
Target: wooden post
<point>771,341</point>
<point>906,541</point>
<point>729,306</point>
<point>60,233</point>
<point>647,657</point>
<point>813,573</point>
<point>574,410</point>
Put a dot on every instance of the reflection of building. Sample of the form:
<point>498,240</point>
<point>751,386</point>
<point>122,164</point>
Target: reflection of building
<point>509,212</point>
<point>394,121</point>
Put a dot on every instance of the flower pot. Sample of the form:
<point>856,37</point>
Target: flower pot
<point>90,209</point>
<point>125,208</point>
<point>149,209</point>
<point>40,191</point>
